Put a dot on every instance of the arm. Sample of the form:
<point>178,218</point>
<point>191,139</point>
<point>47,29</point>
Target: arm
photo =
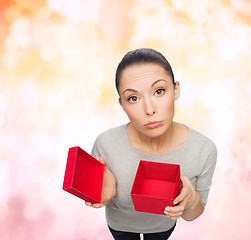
<point>108,188</point>
<point>187,204</point>
<point>194,207</point>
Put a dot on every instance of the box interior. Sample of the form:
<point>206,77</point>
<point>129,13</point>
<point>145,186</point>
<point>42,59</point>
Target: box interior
<point>156,180</point>
<point>88,175</point>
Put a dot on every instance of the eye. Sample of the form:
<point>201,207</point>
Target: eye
<point>160,91</point>
<point>133,99</point>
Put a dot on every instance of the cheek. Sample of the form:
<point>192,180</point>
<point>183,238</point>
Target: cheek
<point>167,106</point>
<point>134,112</point>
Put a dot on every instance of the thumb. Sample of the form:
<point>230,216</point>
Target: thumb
<point>180,198</point>
<point>102,160</point>
<point>183,179</point>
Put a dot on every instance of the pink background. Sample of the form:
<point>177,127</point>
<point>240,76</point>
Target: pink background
<point>57,65</point>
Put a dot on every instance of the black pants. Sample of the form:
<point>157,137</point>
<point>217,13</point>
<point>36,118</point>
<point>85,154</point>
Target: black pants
<point>118,235</point>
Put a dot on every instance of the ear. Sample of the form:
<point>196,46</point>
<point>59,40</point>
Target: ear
<point>121,104</point>
<point>176,91</point>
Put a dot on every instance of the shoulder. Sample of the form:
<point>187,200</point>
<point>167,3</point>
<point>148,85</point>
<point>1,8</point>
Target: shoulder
<point>111,135</point>
<point>201,141</point>
<point>108,141</point>
<point>203,148</point>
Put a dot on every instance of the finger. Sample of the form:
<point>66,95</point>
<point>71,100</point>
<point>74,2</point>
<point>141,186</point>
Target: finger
<point>173,216</point>
<point>185,181</point>
<point>184,190</point>
<point>88,204</point>
<point>183,194</point>
<point>102,160</point>
<point>182,178</point>
<point>178,214</point>
<point>97,205</point>
<point>175,212</point>
<point>178,208</point>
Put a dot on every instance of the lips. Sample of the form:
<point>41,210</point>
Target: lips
<point>153,124</point>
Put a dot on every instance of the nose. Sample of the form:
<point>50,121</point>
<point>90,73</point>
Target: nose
<point>149,107</point>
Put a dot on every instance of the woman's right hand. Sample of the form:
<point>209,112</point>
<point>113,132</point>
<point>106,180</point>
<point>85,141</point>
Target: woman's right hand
<point>108,188</point>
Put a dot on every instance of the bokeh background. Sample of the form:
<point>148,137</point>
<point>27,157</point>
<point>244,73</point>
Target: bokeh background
<point>57,65</point>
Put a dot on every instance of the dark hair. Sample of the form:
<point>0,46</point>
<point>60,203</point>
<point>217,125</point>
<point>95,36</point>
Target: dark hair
<point>142,55</point>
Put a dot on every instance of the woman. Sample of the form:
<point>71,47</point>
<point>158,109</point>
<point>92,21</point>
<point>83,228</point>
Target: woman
<point>147,93</point>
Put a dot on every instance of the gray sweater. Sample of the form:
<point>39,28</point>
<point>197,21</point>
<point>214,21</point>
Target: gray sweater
<point>197,160</point>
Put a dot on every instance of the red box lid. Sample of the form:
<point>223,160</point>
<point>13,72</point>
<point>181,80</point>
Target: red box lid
<point>83,175</point>
<point>155,186</point>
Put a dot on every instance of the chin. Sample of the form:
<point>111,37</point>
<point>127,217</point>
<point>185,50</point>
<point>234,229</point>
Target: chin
<point>154,133</point>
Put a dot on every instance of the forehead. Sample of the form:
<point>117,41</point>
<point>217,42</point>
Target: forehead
<point>144,72</point>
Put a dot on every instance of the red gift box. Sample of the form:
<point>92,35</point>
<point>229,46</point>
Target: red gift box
<point>83,175</point>
<point>155,186</point>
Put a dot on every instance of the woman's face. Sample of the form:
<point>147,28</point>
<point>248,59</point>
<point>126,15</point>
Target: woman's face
<point>147,95</point>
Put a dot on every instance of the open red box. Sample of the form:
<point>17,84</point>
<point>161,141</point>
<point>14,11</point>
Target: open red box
<point>83,175</point>
<point>155,186</point>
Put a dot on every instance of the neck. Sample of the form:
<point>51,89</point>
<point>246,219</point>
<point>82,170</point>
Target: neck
<point>160,144</point>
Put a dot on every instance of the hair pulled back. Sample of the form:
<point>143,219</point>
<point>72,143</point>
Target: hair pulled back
<point>142,55</point>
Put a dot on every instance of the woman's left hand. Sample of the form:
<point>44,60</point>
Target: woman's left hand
<point>187,199</point>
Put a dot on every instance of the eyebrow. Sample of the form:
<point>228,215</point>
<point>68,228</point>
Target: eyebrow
<point>133,90</point>
<point>158,81</point>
